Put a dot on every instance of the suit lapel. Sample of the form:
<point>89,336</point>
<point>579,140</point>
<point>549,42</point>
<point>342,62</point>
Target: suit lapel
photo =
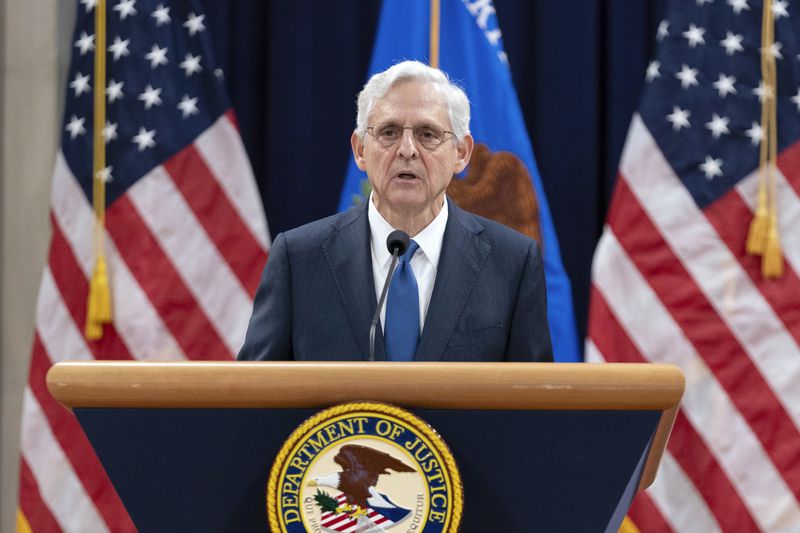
<point>462,258</point>
<point>347,250</point>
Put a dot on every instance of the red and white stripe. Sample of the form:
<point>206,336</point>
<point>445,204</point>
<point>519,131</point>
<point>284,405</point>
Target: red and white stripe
<point>185,248</point>
<point>342,522</point>
<point>672,284</point>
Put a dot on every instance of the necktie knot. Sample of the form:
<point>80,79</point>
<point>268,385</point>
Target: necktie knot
<point>412,249</point>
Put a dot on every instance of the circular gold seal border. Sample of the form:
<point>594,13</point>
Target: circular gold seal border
<point>379,408</point>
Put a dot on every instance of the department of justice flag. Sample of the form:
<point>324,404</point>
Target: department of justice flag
<point>471,52</point>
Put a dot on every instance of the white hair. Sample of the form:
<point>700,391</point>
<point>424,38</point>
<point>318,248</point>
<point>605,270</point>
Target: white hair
<point>454,97</point>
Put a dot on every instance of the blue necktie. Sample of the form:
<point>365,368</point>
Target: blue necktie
<point>402,310</point>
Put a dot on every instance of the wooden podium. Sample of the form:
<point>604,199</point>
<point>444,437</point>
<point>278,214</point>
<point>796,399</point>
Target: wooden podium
<point>540,447</point>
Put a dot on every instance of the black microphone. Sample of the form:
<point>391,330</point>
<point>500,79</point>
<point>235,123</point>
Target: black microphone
<point>397,243</point>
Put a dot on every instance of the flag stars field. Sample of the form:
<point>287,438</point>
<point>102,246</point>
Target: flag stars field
<point>191,64</point>
<point>755,133</point>
<point>144,139</point>
<point>679,118</point>
<point>775,50</point>
<point>125,8</point>
<point>725,85</point>
<point>80,84</point>
<point>157,56</point>
<point>75,126</point>
<point>718,126</point>
<point>188,106</point>
<point>653,71</point>
<point>694,35</point>
<point>762,91</point>
<point>687,76</point>
<point>711,167</point>
<point>114,90</point>
<point>779,9</point>
<point>85,43</point>
<point>161,14</point>
<point>732,43</point>
<point>739,5</point>
<point>151,96</point>
<point>796,99</point>
<point>194,23</point>
<point>105,174</point>
<point>119,48</point>
<point>663,30</point>
<point>110,132</point>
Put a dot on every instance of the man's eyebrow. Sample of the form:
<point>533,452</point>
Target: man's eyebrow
<point>421,123</point>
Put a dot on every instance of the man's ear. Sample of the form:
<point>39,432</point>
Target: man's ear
<point>357,144</point>
<point>464,148</point>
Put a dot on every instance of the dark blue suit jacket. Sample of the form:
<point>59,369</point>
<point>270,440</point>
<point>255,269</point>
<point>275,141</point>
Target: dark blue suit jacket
<point>317,295</point>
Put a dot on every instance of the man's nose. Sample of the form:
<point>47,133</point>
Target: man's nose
<point>408,144</point>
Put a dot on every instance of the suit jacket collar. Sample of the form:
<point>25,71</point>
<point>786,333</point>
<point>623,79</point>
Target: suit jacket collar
<point>348,254</point>
<point>464,253</point>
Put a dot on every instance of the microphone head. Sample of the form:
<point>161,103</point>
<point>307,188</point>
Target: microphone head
<point>397,242</point>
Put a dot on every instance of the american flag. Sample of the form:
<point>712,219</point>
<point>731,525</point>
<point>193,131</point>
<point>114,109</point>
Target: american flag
<point>186,238</point>
<point>672,282</point>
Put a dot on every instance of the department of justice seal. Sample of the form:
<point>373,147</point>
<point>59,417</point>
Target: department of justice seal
<point>366,467</point>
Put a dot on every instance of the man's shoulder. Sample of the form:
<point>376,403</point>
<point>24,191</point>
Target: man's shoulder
<point>321,229</point>
<point>492,231</point>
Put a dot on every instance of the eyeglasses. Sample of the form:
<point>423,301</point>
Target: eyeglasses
<point>428,136</point>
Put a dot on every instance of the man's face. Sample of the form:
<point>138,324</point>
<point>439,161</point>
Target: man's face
<point>407,178</point>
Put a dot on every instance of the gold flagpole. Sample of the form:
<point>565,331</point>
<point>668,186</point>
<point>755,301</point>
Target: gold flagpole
<point>98,307</point>
<point>764,238</point>
<point>434,33</point>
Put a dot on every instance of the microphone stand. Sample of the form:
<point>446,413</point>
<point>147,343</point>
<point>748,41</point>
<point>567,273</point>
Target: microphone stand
<point>374,324</point>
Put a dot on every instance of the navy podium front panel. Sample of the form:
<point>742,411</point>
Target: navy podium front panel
<point>206,469</point>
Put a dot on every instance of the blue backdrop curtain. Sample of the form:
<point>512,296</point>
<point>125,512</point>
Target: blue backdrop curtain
<point>293,70</point>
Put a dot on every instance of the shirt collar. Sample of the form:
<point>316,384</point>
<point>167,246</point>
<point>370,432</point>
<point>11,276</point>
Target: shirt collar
<point>429,239</point>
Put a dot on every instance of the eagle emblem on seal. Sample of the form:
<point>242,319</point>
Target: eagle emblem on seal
<point>359,503</point>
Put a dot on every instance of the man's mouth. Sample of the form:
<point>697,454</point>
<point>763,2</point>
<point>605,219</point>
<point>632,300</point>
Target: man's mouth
<point>407,176</point>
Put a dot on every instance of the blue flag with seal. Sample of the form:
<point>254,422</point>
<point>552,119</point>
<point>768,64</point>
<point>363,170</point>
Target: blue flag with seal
<point>462,37</point>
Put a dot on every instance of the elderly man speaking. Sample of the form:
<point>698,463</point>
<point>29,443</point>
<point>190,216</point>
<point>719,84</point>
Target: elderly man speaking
<point>464,289</point>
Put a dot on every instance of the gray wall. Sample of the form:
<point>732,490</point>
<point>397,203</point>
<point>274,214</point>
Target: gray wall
<point>34,54</point>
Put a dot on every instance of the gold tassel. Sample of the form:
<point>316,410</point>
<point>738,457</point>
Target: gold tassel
<point>628,526</point>
<point>99,303</point>
<point>772,261</point>
<point>23,526</point>
<point>757,235</point>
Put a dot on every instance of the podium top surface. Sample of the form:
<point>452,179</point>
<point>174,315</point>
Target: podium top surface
<point>234,384</point>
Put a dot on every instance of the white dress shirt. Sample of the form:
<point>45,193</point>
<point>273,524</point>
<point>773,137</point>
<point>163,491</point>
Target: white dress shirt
<point>424,263</point>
